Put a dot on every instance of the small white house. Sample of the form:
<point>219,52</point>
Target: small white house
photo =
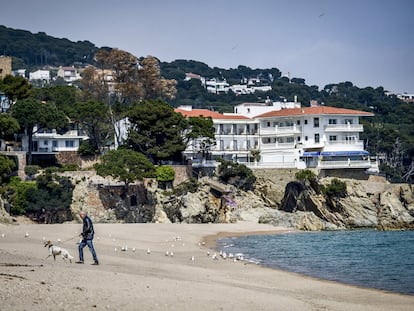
<point>69,74</point>
<point>40,75</point>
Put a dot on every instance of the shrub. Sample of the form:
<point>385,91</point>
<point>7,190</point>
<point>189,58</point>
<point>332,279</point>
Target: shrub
<point>86,148</point>
<point>31,170</point>
<point>18,195</point>
<point>305,175</point>
<point>69,167</point>
<point>165,173</point>
<point>336,188</point>
<point>236,174</point>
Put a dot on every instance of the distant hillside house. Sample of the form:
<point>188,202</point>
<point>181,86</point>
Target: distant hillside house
<point>216,87</point>
<point>408,98</point>
<point>42,76</point>
<point>69,74</point>
<point>49,141</point>
<point>285,135</point>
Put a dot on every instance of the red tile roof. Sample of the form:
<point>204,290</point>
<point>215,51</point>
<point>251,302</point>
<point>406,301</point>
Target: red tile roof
<point>208,113</point>
<point>320,110</point>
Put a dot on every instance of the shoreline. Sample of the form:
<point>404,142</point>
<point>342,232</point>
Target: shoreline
<point>211,242</point>
<point>189,280</point>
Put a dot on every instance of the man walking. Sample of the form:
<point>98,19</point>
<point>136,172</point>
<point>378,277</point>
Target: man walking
<point>87,238</point>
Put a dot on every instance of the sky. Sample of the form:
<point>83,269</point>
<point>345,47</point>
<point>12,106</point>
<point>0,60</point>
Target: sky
<point>367,42</point>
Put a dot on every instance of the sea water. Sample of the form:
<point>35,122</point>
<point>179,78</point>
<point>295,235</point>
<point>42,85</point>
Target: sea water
<point>376,259</point>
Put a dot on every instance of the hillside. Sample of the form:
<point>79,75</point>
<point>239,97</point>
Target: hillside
<point>35,50</point>
<point>390,133</point>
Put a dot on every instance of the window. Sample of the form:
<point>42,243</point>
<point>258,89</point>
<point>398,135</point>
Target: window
<point>332,121</point>
<point>306,122</point>
<point>315,122</point>
<point>268,124</point>
<point>69,143</point>
<point>316,138</point>
<point>289,139</point>
<point>297,122</point>
<point>332,138</point>
<point>46,142</point>
<point>248,110</point>
<point>348,121</point>
<point>306,138</point>
<point>54,143</point>
<point>298,138</point>
<point>221,144</point>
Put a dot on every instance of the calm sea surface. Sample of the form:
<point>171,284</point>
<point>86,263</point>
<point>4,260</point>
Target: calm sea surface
<point>376,259</point>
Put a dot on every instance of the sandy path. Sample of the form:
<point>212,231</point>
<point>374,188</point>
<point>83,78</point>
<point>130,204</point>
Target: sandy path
<point>128,280</point>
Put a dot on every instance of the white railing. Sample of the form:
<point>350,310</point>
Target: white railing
<point>277,146</point>
<point>344,164</point>
<point>354,143</point>
<point>344,128</point>
<point>277,130</point>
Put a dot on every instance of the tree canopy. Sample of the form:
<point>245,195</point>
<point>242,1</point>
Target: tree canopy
<point>126,165</point>
<point>156,130</point>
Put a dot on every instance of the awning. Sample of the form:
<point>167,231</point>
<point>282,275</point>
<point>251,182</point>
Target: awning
<point>344,153</point>
<point>310,154</point>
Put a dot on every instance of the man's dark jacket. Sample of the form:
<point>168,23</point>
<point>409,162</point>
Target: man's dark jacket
<point>87,230</point>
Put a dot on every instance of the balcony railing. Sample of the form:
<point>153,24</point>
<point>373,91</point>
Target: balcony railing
<point>356,143</point>
<point>344,164</point>
<point>344,128</point>
<point>281,130</point>
<point>277,146</point>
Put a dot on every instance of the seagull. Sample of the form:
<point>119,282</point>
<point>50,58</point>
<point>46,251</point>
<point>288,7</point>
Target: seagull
<point>214,256</point>
<point>115,249</point>
<point>133,249</point>
<point>171,254</point>
<point>44,238</point>
<point>26,235</point>
<point>2,235</point>
<point>208,253</point>
<point>58,240</point>
<point>192,258</point>
<point>148,251</point>
<point>167,253</point>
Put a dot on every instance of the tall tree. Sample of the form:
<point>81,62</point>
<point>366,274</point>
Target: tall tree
<point>156,130</point>
<point>126,165</point>
<point>8,125</point>
<point>202,133</point>
<point>15,88</point>
<point>94,118</point>
<point>33,115</point>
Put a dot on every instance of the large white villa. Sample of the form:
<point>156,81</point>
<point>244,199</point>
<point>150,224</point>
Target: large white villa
<point>285,135</point>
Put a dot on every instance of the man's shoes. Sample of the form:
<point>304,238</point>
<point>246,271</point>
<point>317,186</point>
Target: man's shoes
<point>80,262</point>
<point>96,263</point>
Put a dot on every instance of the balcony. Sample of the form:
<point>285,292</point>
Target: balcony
<point>281,131</point>
<point>344,128</point>
<point>359,144</point>
<point>277,146</point>
<point>365,164</point>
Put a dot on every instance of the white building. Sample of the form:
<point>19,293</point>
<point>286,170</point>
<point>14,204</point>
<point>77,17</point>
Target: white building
<point>409,98</point>
<point>286,135</point>
<point>40,75</point>
<point>217,87</point>
<point>69,74</point>
<point>49,141</point>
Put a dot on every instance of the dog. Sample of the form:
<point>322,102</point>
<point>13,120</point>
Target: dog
<point>56,250</point>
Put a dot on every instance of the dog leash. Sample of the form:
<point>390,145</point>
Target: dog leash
<point>69,239</point>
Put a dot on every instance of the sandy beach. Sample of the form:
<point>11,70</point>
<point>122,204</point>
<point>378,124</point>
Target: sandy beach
<point>144,278</point>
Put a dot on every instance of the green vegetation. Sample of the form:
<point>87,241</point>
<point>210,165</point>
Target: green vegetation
<point>165,173</point>
<point>35,50</point>
<point>31,170</point>
<point>236,174</point>
<point>156,131</point>
<point>17,195</point>
<point>126,165</point>
<point>6,167</point>
<point>305,175</point>
<point>336,188</point>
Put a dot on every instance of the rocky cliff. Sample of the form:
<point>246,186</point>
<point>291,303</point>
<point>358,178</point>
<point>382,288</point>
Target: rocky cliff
<point>277,199</point>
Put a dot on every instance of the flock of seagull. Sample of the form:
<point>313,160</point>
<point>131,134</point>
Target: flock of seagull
<point>124,248</point>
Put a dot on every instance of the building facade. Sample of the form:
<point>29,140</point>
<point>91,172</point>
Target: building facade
<point>5,66</point>
<point>285,134</point>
